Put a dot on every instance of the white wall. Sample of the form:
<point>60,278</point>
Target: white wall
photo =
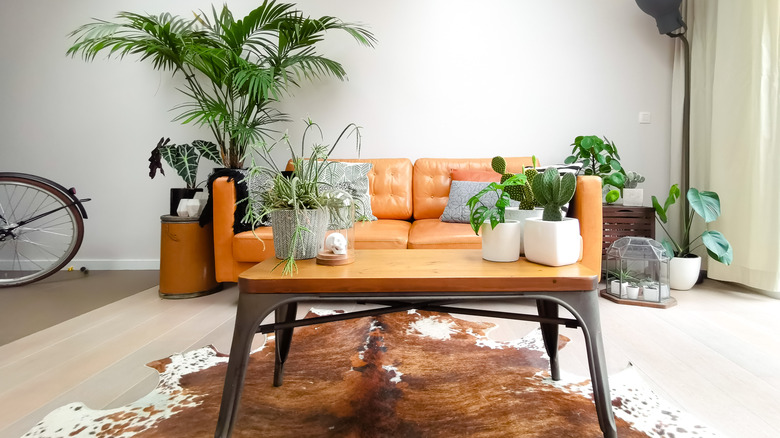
<point>448,78</point>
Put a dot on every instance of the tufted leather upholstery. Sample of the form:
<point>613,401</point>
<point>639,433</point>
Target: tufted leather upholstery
<point>399,191</point>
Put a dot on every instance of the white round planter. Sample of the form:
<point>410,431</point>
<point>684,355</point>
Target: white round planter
<point>502,243</point>
<point>515,214</point>
<point>683,272</point>
<point>632,292</point>
<point>552,243</point>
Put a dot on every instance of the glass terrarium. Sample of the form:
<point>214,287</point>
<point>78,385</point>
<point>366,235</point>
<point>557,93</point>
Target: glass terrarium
<point>338,248</point>
<point>637,272</point>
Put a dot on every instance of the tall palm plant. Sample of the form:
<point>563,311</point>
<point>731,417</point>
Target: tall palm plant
<point>233,70</point>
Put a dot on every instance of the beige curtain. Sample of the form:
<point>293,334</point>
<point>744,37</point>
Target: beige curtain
<point>735,142</point>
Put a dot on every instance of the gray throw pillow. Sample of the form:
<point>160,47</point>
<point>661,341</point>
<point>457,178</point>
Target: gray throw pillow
<point>460,192</point>
<point>353,179</point>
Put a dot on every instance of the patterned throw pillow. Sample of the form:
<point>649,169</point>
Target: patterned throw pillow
<point>256,185</point>
<point>353,179</point>
<point>460,192</point>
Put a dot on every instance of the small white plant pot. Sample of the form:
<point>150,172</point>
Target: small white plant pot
<point>502,243</point>
<point>632,292</point>
<point>552,243</point>
<point>181,209</point>
<point>651,294</point>
<point>683,272</point>
<point>633,197</point>
<point>516,214</point>
<point>614,288</point>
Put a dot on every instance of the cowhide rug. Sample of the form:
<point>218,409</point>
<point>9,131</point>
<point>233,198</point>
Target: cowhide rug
<point>414,374</point>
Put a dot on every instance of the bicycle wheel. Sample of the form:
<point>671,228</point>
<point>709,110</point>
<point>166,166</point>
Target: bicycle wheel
<point>40,230</point>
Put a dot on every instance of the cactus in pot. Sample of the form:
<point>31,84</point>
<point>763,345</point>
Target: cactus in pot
<point>521,193</point>
<point>553,192</point>
<point>552,239</point>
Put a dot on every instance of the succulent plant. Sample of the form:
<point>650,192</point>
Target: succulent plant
<point>553,192</point>
<point>520,193</point>
<point>632,179</point>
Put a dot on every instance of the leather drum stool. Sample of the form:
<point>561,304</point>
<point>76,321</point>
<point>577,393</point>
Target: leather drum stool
<point>186,258</point>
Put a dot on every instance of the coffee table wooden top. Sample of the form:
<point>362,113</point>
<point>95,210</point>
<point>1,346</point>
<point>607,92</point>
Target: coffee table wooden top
<point>417,270</point>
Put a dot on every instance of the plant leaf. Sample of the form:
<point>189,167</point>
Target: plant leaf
<point>612,196</point>
<point>718,247</point>
<point>705,204</point>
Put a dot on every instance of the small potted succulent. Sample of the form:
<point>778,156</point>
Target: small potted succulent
<point>632,196</point>
<point>501,237</point>
<point>184,159</point>
<point>553,240</point>
<point>528,205</point>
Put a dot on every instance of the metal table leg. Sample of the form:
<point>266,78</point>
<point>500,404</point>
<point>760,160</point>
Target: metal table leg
<point>549,309</point>
<point>252,309</point>
<point>284,313</point>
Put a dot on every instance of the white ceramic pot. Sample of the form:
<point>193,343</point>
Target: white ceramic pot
<point>515,214</point>
<point>614,288</point>
<point>502,243</point>
<point>632,292</point>
<point>552,243</point>
<point>683,272</point>
<point>650,294</point>
<point>633,197</point>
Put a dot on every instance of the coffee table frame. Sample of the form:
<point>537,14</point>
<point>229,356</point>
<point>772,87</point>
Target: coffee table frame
<point>434,280</point>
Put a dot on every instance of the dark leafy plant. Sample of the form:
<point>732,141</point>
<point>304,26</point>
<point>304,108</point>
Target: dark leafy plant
<point>233,70</point>
<point>184,158</point>
<point>302,189</point>
<point>553,192</point>
<point>599,157</point>
<point>707,206</point>
<point>480,213</point>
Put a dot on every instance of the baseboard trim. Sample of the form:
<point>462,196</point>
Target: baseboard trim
<point>115,265</point>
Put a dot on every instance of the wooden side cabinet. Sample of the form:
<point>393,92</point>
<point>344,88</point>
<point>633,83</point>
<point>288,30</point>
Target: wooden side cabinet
<point>620,221</point>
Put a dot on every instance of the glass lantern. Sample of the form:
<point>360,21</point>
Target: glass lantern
<point>338,248</point>
<point>637,271</point>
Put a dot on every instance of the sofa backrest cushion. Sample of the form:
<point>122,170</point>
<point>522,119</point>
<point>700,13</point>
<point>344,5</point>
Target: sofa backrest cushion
<point>432,178</point>
<point>390,186</point>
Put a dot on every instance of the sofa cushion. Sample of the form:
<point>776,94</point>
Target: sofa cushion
<point>389,185</point>
<point>460,192</point>
<point>248,248</point>
<point>435,234</point>
<point>382,234</point>
<point>475,175</point>
<point>432,177</point>
<point>353,179</point>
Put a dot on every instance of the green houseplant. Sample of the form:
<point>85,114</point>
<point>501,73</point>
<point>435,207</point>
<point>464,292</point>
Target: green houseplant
<point>599,157</point>
<point>553,240</point>
<point>232,70</point>
<point>184,159</point>
<point>294,201</point>
<point>685,265</point>
<point>501,240</point>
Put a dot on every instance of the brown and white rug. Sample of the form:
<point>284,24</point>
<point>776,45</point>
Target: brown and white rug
<point>414,374</point>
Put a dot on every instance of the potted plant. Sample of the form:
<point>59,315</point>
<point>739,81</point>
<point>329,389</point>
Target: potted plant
<point>599,157</point>
<point>632,290</point>
<point>184,159</point>
<point>528,206</point>
<point>632,196</point>
<point>501,239</point>
<point>296,200</point>
<point>685,265</point>
<point>552,239</point>
<point>232,70</point>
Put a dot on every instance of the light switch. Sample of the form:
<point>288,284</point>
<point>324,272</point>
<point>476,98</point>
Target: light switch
<point>644,118</point>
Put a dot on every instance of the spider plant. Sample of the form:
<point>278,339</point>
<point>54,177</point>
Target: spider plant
<point>233,70</point>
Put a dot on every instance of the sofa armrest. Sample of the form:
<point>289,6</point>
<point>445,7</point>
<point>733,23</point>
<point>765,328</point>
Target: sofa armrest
<point>587,208</point>
<point>223,194</point>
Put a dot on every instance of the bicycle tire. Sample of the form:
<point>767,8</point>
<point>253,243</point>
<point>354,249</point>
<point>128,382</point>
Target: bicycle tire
<point>33,253</point>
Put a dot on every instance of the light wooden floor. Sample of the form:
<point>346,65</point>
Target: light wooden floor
<point>715,355</point>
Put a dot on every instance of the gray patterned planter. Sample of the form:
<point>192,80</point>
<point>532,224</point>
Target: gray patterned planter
<point>309,242</point>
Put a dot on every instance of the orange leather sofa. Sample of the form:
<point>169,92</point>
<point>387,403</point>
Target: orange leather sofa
<point>408,200</point>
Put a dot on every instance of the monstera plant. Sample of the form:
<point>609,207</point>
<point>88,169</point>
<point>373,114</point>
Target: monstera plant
<point>232,70</point>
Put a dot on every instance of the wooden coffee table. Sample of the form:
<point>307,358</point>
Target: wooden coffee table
<point>443,280</point>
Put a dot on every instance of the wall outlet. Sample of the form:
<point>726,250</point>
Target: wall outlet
<point>644,118</point>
